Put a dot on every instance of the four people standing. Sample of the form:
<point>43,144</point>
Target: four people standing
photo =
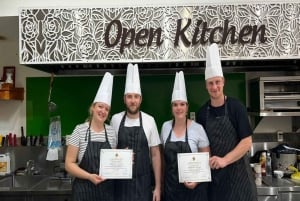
<point>226,134</point>
<point>137,130</point>
<point>227,126</point>
<point>181,135</point>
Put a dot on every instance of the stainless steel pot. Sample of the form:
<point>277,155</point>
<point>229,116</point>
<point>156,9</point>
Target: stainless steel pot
<point>282,158</point>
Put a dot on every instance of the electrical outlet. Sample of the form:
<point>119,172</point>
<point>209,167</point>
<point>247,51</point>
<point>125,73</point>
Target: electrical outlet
<point>279,136</point>
<point>193,116</point>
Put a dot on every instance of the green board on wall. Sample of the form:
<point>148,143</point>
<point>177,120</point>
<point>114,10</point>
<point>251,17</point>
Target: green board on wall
<point>73,96</point>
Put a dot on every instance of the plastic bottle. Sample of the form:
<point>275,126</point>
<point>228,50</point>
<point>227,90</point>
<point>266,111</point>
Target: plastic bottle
<point>268,164</point>
<point>5,164</point>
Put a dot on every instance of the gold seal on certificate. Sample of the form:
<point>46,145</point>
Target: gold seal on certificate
<point>193,167</point>
<point>116,163</point>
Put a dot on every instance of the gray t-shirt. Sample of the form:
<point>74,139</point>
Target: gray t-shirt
<point>197,137</point>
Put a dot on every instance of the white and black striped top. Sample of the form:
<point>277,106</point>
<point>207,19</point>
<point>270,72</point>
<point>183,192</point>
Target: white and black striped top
<point>79,137</point>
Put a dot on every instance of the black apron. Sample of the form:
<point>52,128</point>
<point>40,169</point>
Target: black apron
<point>234,182</point>
<point>84,190</point>
<point>139,187</point>
<point>173,190</point>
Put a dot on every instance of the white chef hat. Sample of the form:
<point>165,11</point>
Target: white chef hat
<point>179,91</point>
<point>132,84</point>
<point>213,62</point>
<point>105,90</point>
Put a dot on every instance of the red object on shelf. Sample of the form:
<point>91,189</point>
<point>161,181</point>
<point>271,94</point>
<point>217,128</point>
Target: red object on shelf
<point>10,142</point>
<point>15,140</point>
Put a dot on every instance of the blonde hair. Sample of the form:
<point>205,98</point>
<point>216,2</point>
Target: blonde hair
<point>90,112</point>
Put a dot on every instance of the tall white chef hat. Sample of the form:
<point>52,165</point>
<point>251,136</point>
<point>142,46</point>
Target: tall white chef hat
<point>179,91</point>
<point>213,62</point>
<point>105,89</point>
<point>132,84</point>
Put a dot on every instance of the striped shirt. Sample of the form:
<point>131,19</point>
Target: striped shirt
<point>77,138</point>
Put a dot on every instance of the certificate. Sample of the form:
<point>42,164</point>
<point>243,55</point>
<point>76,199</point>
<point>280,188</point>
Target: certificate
<point>193,167</point>
<point>116,163</point>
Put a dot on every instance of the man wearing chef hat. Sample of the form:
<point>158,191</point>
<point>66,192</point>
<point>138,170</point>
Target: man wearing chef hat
<point>227,126</point>
<point>83,155</point>
<point>137,130</point>
<point>181,135</point>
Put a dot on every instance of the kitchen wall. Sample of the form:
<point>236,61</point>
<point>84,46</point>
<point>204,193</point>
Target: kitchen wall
<point>73,96</point>
<point>13,113</point>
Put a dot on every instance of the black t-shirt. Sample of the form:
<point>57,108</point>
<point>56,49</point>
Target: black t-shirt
<point>237,114</point>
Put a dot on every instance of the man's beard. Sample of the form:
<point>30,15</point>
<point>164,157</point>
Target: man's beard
<point>133,112</point>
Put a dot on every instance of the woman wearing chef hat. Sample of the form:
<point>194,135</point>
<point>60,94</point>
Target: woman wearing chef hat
<point>83,155</point>
<point>227,126</point>
<point>181,135</point>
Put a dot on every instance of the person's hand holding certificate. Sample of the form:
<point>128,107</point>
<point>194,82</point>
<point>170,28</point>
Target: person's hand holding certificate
<point>116,163</point>
<point>193,167</point>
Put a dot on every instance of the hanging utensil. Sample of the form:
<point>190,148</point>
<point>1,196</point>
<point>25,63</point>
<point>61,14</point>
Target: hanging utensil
<point>51,104</point>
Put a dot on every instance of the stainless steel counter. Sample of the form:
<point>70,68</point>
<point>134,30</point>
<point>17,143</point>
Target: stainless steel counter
<point>274,189</point>
<point>35,184</point>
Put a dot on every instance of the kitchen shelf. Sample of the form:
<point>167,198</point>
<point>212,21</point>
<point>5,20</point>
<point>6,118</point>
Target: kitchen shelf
<point>275,96</point>
<point>12,94</point>
<point>282,97</point>
<point>274,114</point>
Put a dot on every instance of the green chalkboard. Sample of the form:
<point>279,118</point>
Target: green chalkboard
<point>73,96</point>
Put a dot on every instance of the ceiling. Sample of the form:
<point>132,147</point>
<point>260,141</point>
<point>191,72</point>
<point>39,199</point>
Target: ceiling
<point>9,32</point>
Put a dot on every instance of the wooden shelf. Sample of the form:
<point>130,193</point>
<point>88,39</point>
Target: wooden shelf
<point>12,94</point>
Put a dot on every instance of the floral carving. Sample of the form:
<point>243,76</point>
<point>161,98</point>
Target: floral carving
<point>77,34</point>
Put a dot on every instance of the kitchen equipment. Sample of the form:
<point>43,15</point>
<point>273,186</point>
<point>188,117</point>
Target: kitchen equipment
<point>14,140</point>
<point>275,95</point>
<point>6,141</point>
<point>268,164</point>
<point>41,141</point>
<point>290,148</point>
<point>3,141</point>
<point>51,104</point>
<point>23,139</point>
<point>278,174</point>
<point>35,140</point>
<point>10,140</point>
<point>258,173</point>
<point>4,164</point>
<point>31,140</point>
<point>282,158</point>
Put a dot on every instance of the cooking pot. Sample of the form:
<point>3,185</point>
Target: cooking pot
<point>282,157</point>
